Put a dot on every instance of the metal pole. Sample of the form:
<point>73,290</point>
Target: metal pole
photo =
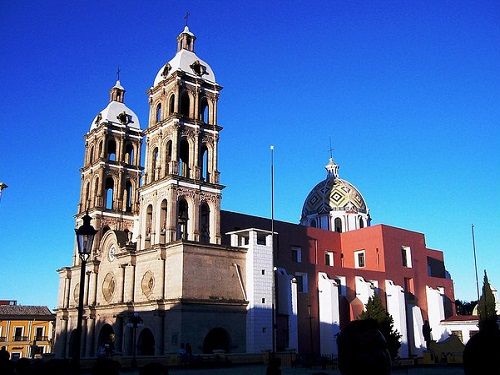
<point>272,249</point>
<point>78,338</point>
<point>475,265</point>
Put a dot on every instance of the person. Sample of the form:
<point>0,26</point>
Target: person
<point>4,354</point>
<point>482,351</point>
<point>426,331</point>
<point>362,349</point>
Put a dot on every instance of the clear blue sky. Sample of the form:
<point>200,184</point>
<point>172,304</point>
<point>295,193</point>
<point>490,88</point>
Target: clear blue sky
<point>408,91</point>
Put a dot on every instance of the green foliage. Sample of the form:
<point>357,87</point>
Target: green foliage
<point>465,307</point>
<point>376,310</point>
<point>486,307</point>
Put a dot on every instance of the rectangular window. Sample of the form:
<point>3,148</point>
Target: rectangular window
<point>39,333</point>
<point>296,254</point>
<point>18,334</point>
<point>359,259</point>
<point>301,278</point>
<point>329,258</point>
<point>406,256</point>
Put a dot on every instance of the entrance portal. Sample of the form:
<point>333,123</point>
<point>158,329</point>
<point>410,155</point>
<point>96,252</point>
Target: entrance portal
<point>216,339</point>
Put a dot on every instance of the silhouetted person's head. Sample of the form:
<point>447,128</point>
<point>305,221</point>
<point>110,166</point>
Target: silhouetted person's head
<point>363,349</point>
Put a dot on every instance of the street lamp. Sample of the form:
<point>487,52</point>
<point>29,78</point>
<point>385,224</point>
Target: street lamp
<point>134,322</point>
<point>84,238</point>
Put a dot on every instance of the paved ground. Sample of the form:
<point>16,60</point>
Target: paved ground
<point>261,370</point>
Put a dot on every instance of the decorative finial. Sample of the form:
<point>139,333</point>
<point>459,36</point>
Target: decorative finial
<point>331,149</point>
<point>118,74</point>
<point>186,17</point>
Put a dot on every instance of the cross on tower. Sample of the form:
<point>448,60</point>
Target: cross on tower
<point>331,149</point>
<point>186,17</point>
<point>118,74</point>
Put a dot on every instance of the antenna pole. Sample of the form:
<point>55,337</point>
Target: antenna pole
<point>272,249</point>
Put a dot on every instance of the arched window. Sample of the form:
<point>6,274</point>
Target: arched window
<point>184,158</point>
<point>91,155</point>
<point>127,197</point>
<point>338,225</point>
<point>204,223</point>
<point>109,193</point>
<point>205,174</point>
<point>149,223</point>
<point>361,222</point>
<point>168,157</point>
<point>111,150</point>
<point>158,112</point>
<point>96,190</point>
<point>204,110</point>
<point>154,165</point>
<point>171,104</point>
<point>182,219</point>
<point>86,202</point>
<point>185,104</point>
<point>146,343</point>
<point>129,154</point>
<point>312,223</point>
<point>163,221</point>
<point>99,150</point>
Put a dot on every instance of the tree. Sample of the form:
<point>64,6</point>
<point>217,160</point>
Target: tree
<point>376,310</point>
<point>465,307</point>
<point>486,307</point>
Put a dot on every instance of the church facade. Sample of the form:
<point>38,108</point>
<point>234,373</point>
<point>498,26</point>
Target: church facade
<point>219,280</point>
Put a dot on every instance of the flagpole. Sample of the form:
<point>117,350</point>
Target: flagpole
<point>475,264</point>
<point>272,250</point>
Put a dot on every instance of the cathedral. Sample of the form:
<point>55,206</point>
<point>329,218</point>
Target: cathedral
<point>217,280</point>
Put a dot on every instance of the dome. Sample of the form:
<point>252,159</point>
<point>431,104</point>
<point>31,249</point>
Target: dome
<point>333,194</point>
<point>185,60</point>
<point>116,112</point>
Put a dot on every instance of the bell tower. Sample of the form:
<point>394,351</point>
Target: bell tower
<point>111,170</point>
<point>181,193</point>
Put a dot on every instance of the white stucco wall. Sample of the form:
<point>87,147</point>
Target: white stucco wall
<point>396,307</point>
<point>329,316</point>
<point>435,310</point>
<point>364,289</point>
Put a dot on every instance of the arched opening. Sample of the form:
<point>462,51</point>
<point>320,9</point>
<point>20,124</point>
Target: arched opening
<point>216,339</point>
<point>112,150</point>
<point>205,174</point>
<point>204,223</point>
<point>185,104</point>
<point>96,190</point>
<point>129,154</point>
<point>168,157</point>
<point>149,223</point>
<point>313,223</point>
<point>109,193</point>
<point>106,340</point>
<point>182,219</point>
<point>338,225</point>
<point>154,165</point>
<point>361,222</point>
<point>72,347</point>
<point>163,221</point>
<point>146,343</point>
<point>171,104</point>
<point>158,113</point>
<point>204,111</point>
<point>86,202</point>
<point>184,158</point>
<point>91,155</point>
<point>127,196</point>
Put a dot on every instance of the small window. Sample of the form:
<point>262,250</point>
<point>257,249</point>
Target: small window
<point>158,112</point>
<point>359,259</point>
<point>329,258</point>
<point>338,225</point>
<point>301,279</point>
<point>297,254</point>
<point>263,272</point>
<point>406,256</point>
<point>263,300</point>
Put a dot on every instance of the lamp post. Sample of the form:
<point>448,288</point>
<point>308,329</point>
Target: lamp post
<point>134,322</point>
<point>84,239</point>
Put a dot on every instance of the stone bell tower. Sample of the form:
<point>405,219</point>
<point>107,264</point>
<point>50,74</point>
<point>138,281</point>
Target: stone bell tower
<point>180,195</point>
<point>112,167</point>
